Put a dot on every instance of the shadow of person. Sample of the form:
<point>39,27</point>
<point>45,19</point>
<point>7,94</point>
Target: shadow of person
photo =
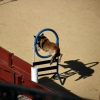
<point>80,68</point>
<point>47,82</point>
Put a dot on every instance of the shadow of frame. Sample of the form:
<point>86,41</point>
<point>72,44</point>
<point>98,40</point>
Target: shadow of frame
<point>76,67</point>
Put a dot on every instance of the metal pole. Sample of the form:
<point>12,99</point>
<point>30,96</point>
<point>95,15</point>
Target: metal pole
<point>34,69</point>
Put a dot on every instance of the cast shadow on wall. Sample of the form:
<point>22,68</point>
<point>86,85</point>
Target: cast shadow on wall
<point>47,82</point>
<point>76,67</point>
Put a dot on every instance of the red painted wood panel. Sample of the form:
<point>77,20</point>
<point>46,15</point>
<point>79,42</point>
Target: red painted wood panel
<point>5,56</point>
<point>15,63</point>
<point>6,76</point>
<point>15,70</point>
<point>5,68</point>
<point>21,66</point>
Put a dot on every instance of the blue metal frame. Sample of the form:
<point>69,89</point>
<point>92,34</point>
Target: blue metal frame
<point>47,61</point>
<point>48,68</point>
<point>35,41</point>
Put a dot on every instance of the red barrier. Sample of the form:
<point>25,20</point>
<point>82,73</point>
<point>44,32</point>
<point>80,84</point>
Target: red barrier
<point>5,75</point>
<point>5,57</point>
<point>22,67</point>
<point>15,63</point>
<point>15,70</point>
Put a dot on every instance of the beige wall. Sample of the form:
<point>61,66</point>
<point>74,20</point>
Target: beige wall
<point>77,23</point>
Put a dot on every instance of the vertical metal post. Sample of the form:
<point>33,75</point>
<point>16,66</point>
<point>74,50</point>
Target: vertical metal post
<point>58,72</point>
<point>33,58</point>
<point>34,69</point>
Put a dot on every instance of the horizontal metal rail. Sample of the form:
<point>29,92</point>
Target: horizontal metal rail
<point>43,62</point>
<point>47,68</point>
<point>37,94</point>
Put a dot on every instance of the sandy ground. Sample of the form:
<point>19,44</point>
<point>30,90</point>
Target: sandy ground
<point>77,23</point>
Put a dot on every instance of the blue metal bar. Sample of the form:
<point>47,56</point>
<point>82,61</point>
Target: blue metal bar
<point>48,68</point>
<point>43,62</point>
<point>59,78</point>
<point>47,74</point>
